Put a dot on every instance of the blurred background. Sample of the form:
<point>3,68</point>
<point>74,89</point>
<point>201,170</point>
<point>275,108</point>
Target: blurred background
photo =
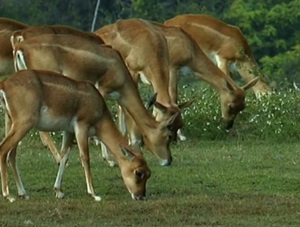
<point>270,26</point>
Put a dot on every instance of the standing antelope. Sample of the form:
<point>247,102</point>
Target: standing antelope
<point>145,53</point>
<point>184,51</point>
<point>82,59</point>
<point>224,44</point>
<point>49,101</point>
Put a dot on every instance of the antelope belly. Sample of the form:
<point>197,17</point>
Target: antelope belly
<point>50,122</point>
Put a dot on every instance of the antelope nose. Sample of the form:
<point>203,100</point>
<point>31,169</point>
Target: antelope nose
<point>166,162</point>
<point>228,123</point>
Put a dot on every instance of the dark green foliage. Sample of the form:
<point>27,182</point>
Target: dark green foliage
<point>271,27</point>
<point>271,30</point>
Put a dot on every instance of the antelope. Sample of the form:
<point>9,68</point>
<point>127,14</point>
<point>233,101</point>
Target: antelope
<point>184,52</point>
<point>49,101</point>
<point>224,44</point>
<point>82,59</point>
<point>145,53</point>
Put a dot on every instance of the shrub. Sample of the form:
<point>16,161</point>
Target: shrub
<point>274,117</point>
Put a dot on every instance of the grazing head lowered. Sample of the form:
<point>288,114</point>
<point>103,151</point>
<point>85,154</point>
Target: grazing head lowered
<point>48,101</point>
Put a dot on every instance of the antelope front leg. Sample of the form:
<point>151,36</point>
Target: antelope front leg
<point>82,141</point>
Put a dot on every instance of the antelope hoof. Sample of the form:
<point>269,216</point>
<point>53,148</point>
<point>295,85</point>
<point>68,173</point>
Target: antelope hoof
<point>25,197</point>
<point>180,136</point>
<point>111,163</point>
<point>97,198</point>
<point>10,198</point>
<point>59,195</point>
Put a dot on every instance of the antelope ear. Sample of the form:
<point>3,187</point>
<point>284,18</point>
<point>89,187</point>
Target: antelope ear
<point>170,121</point>
<point>151,101</point>
<point>230,86</point>
<point>126,153</point>
<point>186,104</point>
<point>160,107</point>
<point>250,84</point>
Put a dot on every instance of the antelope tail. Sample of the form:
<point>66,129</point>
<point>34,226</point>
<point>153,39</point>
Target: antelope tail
<point>19,60</point>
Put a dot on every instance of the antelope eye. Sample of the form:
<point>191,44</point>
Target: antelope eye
<point>231,108</point>
<point>170,127</point>
<point>139,173</point>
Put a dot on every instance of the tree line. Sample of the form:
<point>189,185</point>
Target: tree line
<point>270,26</point>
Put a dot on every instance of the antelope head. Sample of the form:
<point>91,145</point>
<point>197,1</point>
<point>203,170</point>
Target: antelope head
<point>234,102</point>
<point>135,173</point>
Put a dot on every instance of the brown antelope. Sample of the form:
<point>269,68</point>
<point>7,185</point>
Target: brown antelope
<point>145,53</point>
<point>48,101</point>
<point>81,59</point>
<point>184,51</point>
<point>7,27</point>
<point>224,44</point>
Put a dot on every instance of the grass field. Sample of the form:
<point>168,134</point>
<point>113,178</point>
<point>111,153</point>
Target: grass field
<point>211,183</point>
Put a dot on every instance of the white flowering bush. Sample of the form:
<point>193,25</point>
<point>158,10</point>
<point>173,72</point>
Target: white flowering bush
<point>276,116</point>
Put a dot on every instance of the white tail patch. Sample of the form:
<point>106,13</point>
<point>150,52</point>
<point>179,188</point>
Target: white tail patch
<point>19,61</point>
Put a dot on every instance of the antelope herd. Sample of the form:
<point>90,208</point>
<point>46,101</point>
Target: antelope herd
<point>58,77</point>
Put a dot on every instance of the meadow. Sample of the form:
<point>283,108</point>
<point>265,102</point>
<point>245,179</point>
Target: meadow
<point>246,177</point>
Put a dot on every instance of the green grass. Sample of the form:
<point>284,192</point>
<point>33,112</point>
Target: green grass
<point>249,177</point>
<point>211,183</point>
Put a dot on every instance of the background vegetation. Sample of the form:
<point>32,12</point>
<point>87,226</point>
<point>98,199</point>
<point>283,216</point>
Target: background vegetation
<point>270,26</point>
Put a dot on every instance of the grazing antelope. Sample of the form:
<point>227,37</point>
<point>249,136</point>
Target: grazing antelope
<point>184,52</point>
<point>224,44</point>
<point>82,59</point>
<point>48,101</point>
<point>145,53</point>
